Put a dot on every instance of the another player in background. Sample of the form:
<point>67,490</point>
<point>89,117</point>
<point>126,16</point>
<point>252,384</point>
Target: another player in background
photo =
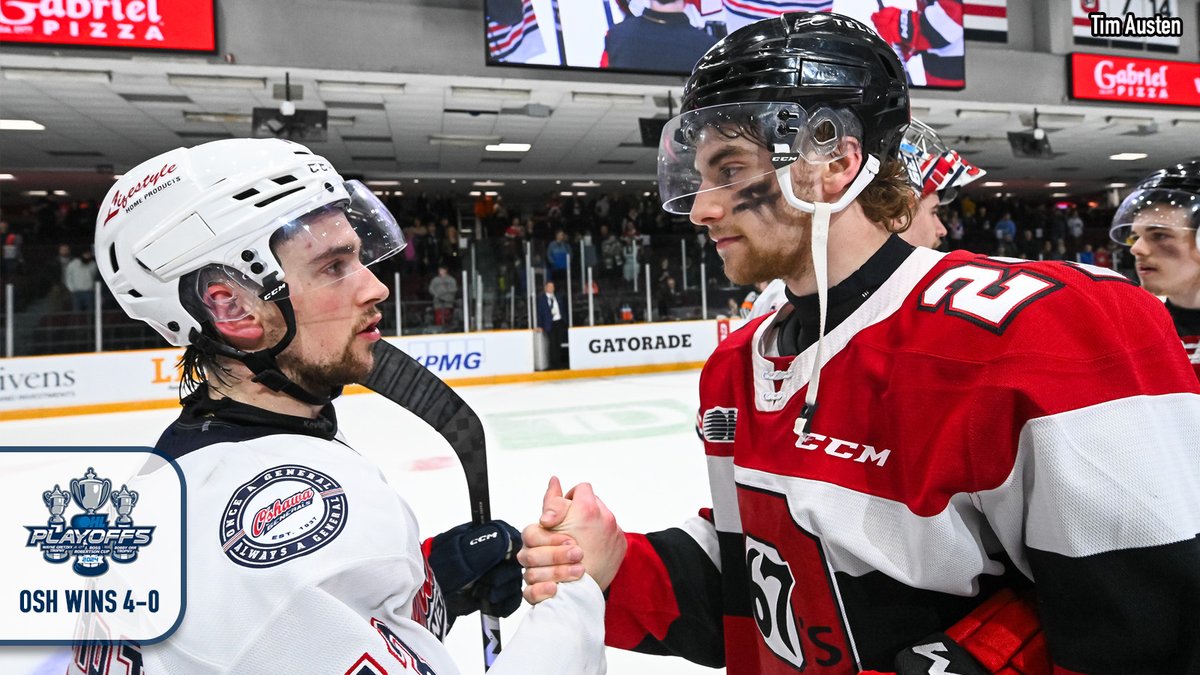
<point>936,173</point>
<point>983,424</point>
<point>1158,221</point>
<point>253,255</point>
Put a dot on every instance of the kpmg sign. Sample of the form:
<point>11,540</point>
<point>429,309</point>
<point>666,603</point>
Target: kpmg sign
<point>1122,79</point>
<point>171,25</point>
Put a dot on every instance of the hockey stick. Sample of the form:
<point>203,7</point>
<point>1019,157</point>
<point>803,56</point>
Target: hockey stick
<point>402,380</point>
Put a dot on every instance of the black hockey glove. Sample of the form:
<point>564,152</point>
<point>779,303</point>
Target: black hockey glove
<point>476,567</point>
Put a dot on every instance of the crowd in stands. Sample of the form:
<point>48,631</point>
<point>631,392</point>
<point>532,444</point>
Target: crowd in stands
<point>48,260</point>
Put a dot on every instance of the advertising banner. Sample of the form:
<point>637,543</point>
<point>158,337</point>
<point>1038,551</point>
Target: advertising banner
<point>115,378</point>
<point>173,25</point>
<point>642,344</point>
<point>1122,79</point>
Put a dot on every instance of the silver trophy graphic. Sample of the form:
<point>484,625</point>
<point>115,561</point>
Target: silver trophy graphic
<point>56,500</point>
<point>124,501</point>
<point>90,493</point>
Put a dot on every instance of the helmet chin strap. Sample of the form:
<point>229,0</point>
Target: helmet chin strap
<point>821,212</point>
<point>262,363</point>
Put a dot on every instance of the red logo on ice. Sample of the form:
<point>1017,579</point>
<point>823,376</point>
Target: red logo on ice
<point>185,25</point>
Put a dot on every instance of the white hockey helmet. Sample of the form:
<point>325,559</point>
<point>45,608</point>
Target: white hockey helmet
<point>217,206</point>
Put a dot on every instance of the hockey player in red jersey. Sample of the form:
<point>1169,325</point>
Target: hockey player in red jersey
<point>914,432</point>
<point>1158,222</point>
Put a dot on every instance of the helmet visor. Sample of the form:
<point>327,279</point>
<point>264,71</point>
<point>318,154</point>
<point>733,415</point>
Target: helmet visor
<point>1154,208</point>
<point>735,144</point>
<point>321,243</point>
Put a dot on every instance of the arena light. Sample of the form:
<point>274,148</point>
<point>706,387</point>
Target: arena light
<point>1127,156</point>
<point>217,81</point>
<point>994,183</point>
<point>20,125</point>
<point>7,176</point>
<point>508,147</point>
<point>1056,183</point>
<point>360,87</point>
<point>58,74</point>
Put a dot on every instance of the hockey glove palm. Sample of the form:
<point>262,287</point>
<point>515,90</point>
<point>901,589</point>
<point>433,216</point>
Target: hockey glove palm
<point>476,568</point>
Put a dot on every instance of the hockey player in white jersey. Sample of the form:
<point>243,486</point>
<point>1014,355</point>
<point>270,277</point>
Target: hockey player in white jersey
<point>252,254</point>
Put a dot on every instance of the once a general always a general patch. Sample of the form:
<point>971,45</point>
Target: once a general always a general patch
<point>282,513</point>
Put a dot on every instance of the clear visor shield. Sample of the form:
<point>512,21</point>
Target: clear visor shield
<point>1152,208</point>
<point>317,245</point>
<point>730,145</point>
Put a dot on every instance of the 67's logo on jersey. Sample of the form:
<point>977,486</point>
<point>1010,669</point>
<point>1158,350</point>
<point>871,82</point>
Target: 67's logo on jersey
<point>792,599</point>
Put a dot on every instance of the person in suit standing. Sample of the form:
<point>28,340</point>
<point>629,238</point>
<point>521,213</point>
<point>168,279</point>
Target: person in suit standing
<point>552,322</point>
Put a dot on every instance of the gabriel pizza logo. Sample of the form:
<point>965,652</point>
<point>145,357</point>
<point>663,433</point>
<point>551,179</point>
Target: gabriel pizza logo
<point>282,513</point>
<point>121,200</point>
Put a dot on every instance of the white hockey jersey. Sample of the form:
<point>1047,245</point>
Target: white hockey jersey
<point>301,558</point>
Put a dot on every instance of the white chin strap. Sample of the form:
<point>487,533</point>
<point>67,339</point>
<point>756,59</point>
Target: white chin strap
<point>820,259</point>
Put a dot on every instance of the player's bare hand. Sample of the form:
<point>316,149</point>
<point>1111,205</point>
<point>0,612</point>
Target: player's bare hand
<point>595,530</point>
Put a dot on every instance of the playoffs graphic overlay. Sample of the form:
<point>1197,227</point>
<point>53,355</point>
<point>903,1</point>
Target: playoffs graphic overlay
<point>95,548</point>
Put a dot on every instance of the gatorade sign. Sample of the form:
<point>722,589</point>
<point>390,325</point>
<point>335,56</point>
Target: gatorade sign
<point>174,25</point>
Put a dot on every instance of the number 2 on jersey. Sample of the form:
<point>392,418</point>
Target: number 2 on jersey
<point>989,297</point>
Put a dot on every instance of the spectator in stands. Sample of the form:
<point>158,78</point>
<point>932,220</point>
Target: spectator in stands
<point>1075,225</point>
<point>669,298</point>
<point>1005,227</point>
<point>449,248</point>
<point>1087,256</point>
<point>444,289</point>
<point>552,321</point>
<point>80,280</point>
<point>557,257</point>
<point>611,253</point>
<point>11,259</point>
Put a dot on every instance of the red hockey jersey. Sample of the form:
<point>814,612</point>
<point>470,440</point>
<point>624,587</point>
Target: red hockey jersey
<point>981,423</point>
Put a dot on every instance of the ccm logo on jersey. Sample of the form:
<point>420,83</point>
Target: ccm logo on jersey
<point>836,447</point>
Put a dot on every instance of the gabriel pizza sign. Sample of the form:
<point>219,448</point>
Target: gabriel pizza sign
<point>1122,79</point>
<point>175,25</point>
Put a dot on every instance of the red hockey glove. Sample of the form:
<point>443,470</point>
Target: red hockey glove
<point>1001,636</point>
<point>900,27</point>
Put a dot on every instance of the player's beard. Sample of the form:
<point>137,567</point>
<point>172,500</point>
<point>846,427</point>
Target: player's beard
<point>786,253</point>
<point>351,365</point>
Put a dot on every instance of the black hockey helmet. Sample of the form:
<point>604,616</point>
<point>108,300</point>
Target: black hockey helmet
<point>797,85</point>
<point>1166,198</point>
<point>815,59</point>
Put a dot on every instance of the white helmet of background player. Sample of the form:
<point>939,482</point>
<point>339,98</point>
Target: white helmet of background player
<point>1168,198</point>
<point>194,216</point>
<point>932,165</point>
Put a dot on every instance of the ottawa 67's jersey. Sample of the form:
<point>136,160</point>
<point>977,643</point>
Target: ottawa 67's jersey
<point>976,418</point>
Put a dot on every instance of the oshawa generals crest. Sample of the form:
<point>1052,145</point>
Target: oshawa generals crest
<point>282,513</point>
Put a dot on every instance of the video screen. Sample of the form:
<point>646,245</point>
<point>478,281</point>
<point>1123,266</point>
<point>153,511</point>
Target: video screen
<point>641,36</point>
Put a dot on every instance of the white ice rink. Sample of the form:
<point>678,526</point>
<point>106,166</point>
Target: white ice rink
<point>632,437</point>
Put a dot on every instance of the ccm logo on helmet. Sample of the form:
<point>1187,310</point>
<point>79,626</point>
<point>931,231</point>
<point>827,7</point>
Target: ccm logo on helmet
<point>271,293</point>
<point>481,539</point>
